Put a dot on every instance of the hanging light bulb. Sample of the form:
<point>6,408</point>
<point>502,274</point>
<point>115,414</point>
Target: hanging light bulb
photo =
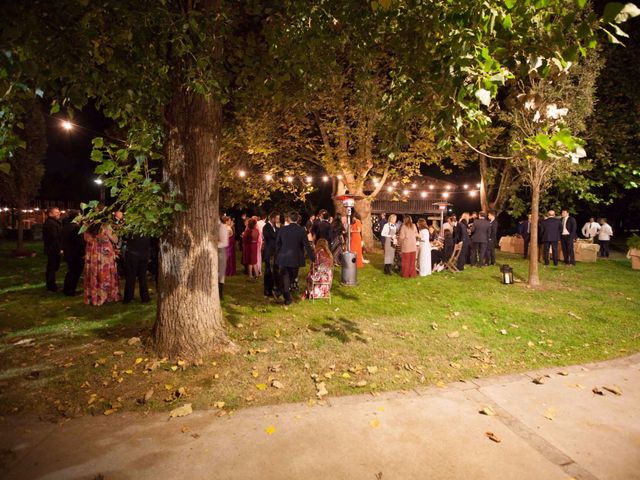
<point>395,184</point>
<point>309,179</point>
<point>448,187</point>
<point>445,195</point>
<point>423,194</point>
<point>389,188</point>
<point>413,185</point>
<point>268,177</point>
<point>67,125</point>
<point>242,173</point>
<point>325,178</point>
<point>339,177</point>
<point>405,192</point>
<point>477,185</point>
<point>473,193</point>
<point>430,187</point>
<point>465,186</point>
<point>290,179</point>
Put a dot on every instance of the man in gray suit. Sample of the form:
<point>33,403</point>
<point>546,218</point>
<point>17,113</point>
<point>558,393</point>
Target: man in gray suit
<point>480,230</point>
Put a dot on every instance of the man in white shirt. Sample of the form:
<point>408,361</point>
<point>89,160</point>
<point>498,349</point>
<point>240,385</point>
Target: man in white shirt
<point>223,243</point>
<point>604,237</point>
<point>591,229</point>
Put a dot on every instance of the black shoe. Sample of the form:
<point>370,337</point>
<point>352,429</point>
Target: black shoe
<point>288,302</point>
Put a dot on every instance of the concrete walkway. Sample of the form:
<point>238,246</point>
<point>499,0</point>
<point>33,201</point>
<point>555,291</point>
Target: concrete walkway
<point>557,430</point>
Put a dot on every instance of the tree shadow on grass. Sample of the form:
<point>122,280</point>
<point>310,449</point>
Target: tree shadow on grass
<point>342,329</point>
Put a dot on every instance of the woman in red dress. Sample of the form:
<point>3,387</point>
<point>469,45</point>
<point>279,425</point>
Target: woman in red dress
<point>250,248</point>
<point>356,239</point>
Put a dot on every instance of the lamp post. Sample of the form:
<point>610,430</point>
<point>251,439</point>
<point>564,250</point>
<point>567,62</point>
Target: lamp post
<point>98,181</point>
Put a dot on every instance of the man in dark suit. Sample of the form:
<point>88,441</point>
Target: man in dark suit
<point>136,261</point>
<point>73,248</point>
<point>321,227</point>
<point>569,235</point>
<point>291,244</point>
<point>551,229</point>
<point>269,235</point>
<point>493,238</point>
<point>52,238</point>
<point>480,229</point>
<point>524,230</point>
<point>461,234</point>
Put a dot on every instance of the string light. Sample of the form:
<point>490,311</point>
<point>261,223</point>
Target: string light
<point>67,125</point>
<point>389,188</point>
<point>268,177</point>
<point>290,179</point>
<point>448,187</point>
<point>309,179</point>
<point>339,177</point>
<point>325,178</point>
<point>445,195</point>
<point>405,192</point>
<point>395,184</point>
<point>473,193</point>
<point>478,185</point>
<point>242,173</point>
<point>430,187</point>
<point>413,185</point>
<point>465,186</point>
<point>424,194</point>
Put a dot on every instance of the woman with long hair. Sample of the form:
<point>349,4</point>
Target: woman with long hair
<point>101,281</point>
<point>321,272</point>
<point>250,248</point>
<point>407,240</point>
<point>356,239</point>
<point>424,256</point>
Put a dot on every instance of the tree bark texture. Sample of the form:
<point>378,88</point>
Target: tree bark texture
<point>189,321</point>
<point>534,278</point>
<point>363,207</point>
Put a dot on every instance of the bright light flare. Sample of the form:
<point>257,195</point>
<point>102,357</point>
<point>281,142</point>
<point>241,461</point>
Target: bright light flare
<point>268,177</point>
<point>473,193</point>
<point>423,194</point>
<point>67,125</point>
<point>242,173</point>
<point>325,178</point>
<point>98,181</point>
<point>445,195</point>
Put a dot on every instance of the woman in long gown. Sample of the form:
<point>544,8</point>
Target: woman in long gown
<point>231,250</point>
<point>321,272</point>
<point>388,235</point>
<point>250,248</point>
<point>101,281</point>
<point>407,240</point>
<point>424,256</point>
<point>356,239</point>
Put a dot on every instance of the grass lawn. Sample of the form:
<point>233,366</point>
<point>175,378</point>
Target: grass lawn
<point>61,357</point>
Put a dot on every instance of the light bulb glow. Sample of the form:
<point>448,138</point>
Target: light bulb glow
<point>67,125</point>
<point>98,181</point>
<point>325,178</point>
<point>405,192</point>
<point>268,177</point>
<point>430,187</point>
<point>290,179</point>
<point>389,189</point>
<point>448,187</point>
<point>465,186</point>
<point>242,173</point>
<point>473,193</point>
<point>445,195</point>
<point>423,194</point>
<point>309,179</point>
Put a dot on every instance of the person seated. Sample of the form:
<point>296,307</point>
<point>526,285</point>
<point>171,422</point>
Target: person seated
<point>321,272</point>
<point>448,245</point>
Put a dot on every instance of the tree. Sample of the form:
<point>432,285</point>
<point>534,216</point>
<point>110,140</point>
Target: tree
<point>156,69</point>
<point>22,182</point>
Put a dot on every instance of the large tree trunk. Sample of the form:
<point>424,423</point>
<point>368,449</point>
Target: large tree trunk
<point>363,207</point>
<point>534,279</point>
<point>484,202</point>
<point>189,321</point>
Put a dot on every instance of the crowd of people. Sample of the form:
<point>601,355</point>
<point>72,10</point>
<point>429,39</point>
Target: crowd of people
<point>275,247</point>
<point>564,231</point>
<point>100,254</point>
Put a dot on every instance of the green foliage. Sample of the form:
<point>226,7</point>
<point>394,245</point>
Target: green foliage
<point>148,204</point>
<point>634,241</point>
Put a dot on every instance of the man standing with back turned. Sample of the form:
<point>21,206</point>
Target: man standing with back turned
<point>52,238</point>
<point>569,234</point>
<point>551,229</point>
<point>291,243</point>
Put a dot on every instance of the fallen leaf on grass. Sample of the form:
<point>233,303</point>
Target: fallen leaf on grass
<point>434,326</point>
<point>372,370</point>
<point>109,411</point>
<point>455,365</point>
<point>345,375</point>
<point>261,386</point>
<point>564,373</point>
<point>147,395</point>
<point>375,423</point>
<point>577,317</point>
<point>488,411</point>
<point>321,390</point>
<point>118,353</point>
<point>219,404</point>
<point>277,384</point>
<point>134,341</point>
<point>361,383</point>
<point>597,391</point>
<point>270,429</point>
<point>613,389</point>
<point>440,384</point>
<point>92,398</point>
<point>182,411</point>
<point>455,334</point>
<point>539,380</point>
<point>503,331</point>
<point>493,437</point>
<point>254,373</point>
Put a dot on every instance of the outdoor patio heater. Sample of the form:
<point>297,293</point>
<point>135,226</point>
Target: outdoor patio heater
<point>349,274</point>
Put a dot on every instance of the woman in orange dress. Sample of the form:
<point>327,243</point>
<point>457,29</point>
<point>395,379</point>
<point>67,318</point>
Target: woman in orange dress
<point>356,239</point>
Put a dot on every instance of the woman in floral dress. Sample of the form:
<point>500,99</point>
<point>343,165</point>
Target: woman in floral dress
<point>100,270</point>
<point>321,272</point>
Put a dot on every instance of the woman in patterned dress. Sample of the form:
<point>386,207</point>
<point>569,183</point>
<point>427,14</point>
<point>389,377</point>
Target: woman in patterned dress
<point>101,282</point>
<point>321,272</point>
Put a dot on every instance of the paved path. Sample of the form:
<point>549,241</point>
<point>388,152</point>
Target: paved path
<point>557,430</point>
